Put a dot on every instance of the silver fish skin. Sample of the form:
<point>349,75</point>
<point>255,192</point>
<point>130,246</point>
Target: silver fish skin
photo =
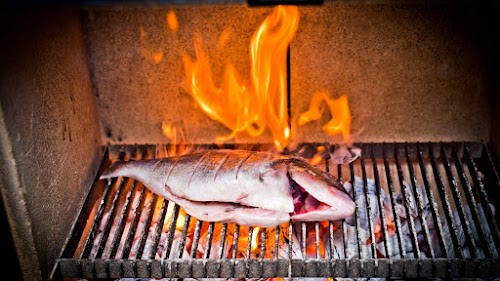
<point>239,186</point>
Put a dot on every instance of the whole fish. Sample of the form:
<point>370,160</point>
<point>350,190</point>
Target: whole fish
<point>239,186</point>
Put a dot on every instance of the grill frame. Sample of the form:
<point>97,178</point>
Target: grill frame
<point>476,156</point>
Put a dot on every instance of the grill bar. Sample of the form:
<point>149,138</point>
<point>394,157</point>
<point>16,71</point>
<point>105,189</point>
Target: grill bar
<point>420,207</point>
<point>380,204</point>
<point>446,203</point>
<point>420,227</point>
<point>159,226</point>
<point>432,201</point>
<point>406,198</point>
<point>356,214</point>
<point>236,239</point>
<point>135,221</point>
<point>144,235</point>
<point>485,202</point>
<point>222,241</point>
<point>468,194</point>
<point>344,233</point>
<point>276,243</point>
<point>107,228</point>
<point>397,220</point>
<point>459,203</point>
<point>304,238</point>
<point>208,247</point>
<point>184,236</point>
<point>368,205</point>
<point>196,238</point>
<point>125,211</point>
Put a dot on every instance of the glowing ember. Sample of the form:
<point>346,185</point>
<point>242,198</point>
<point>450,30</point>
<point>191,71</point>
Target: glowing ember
<point>260,105</point>
<point>339,110</point>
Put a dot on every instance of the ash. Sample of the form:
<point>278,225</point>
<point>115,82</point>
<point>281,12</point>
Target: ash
<point>360,226</point>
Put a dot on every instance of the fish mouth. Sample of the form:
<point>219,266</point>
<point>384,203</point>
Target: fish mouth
<point>317,199</point>
<point>303,202</point>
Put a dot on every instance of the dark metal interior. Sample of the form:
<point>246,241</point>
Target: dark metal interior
<point>447,185</point>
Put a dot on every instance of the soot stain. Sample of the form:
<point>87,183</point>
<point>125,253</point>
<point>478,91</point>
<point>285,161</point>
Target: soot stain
<point>108,132</point>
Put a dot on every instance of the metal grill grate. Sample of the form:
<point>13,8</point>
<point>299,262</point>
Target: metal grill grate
<point>423,210</point>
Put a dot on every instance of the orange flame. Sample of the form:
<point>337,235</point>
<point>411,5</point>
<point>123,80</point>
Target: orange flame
<point>172,22</point>
<point>339,110</point>
<point>263,104</point>
<point>176,136</point>
<point>255,238</point>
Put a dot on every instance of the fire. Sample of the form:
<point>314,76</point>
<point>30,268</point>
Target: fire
<point>339,110</point>
<point>255,238</point>
<point>253,107</point>
<point>177,139</point>
<point>181,217</point>
<point>172,22</point>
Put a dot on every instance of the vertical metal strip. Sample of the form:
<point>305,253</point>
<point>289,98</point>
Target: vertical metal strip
<point>182,244</point>
<point>290,248</point>
<point>303,234</point>
<point>276,243</point>
<point>358,236</point>
<point>137,210</point>
<point>373,243</point>
<point>249,249</point>
<point>316,231</point>
<point>263,238</point>
<point>330,223</point>
<point>235,240</point>
<point>196,238</point>
<point>170,234</point>
<point>344,225</point>
<point>330,240</point>
<point>249,242</point>
<point>222,244</point>
<point>208,247</point>
<point>469,239</point>
<point>407,205</point>
<point>380,204</point>
<point>420,207</point>
<point>149,218</point>
<point>432,201</point>
<point>392,194</point>
<point>472,202</point>
<point>446,204</point>
<point>159,227</point>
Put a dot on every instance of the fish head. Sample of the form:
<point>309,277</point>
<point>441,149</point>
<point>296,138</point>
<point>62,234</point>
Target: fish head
<point>317,195</point>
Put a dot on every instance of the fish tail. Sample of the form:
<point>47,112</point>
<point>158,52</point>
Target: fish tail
<point>115,170</point>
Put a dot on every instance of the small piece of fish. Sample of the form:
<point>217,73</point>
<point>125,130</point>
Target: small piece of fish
<point>239,186</point>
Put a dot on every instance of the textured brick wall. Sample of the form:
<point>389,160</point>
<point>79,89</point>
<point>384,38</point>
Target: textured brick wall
<point>416,72</point>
